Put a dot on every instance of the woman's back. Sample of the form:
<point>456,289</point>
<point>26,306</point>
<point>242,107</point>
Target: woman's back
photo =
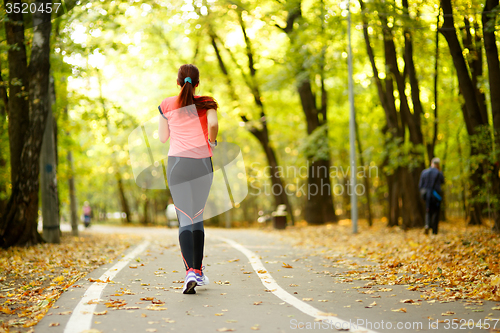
<point>188,129</point>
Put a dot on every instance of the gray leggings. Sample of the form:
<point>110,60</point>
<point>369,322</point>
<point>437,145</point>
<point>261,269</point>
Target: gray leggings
<point>189,180</point>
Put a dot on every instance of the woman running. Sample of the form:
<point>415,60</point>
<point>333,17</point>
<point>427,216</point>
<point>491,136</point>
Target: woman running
<point>191,123</point>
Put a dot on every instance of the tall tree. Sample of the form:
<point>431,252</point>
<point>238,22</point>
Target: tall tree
<point>72,195</point>
<point>410,120</point>
<point>488,19</point>
<point>48,179</point>
<point>124,202</point>
<point>18,224</point>
<point>257,128</point>
<point>4,103</point>
<point>18,103</point>
<point>366,180</point>
<point>474,108</point>
<point>392,129</point>
<point>403,180</point>
<point>432,144</point>
<point>319,207</point>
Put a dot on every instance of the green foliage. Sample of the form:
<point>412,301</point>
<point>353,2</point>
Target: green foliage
<point>115,61</point>
<point>315,146</point>
<point>486,160</point>
<point>401,154</point>
<point>494,17</point>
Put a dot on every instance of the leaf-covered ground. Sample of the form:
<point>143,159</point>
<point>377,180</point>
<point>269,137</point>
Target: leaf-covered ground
<point>33,278</point>
<point>460,262</point>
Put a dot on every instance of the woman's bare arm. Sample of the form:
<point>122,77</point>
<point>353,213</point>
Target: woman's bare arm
<point>163,130</point>
<point>213,124</point>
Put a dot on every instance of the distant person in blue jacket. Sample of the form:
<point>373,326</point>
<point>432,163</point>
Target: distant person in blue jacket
<point>430,189</point>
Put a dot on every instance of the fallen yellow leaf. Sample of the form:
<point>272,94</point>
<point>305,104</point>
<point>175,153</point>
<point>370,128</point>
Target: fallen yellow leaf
<point>400,310</point>
<point>448,313</point>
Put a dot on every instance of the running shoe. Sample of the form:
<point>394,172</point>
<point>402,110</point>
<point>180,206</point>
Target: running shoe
<point>190,283</point>
<point>201,278</point>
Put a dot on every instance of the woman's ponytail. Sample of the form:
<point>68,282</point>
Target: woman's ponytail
<point>188,77</point>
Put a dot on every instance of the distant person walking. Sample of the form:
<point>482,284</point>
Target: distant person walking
<point>430,189</point>
<point>87,214</point>
<point>190,121</point>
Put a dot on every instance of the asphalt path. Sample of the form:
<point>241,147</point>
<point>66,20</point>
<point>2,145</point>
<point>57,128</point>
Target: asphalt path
<point>258,282</point>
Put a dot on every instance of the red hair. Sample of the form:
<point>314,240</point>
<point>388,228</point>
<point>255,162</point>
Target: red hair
<point>186,96</point>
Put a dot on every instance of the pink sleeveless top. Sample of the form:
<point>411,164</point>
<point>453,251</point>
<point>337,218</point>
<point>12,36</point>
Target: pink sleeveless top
<point>188,129</point>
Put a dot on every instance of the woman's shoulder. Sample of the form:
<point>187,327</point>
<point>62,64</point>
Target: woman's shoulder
<point>169,99</point>
<point>168,103</point>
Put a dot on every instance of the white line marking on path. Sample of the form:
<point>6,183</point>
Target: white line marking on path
<point>270,283</point>
<point>81,318</point>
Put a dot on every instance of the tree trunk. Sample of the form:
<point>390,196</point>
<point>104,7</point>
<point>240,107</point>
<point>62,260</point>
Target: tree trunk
<point>3,165</point>
<point>408,119</point>
<point>319,206</point>
<point>472,111</point>
<point>476,209</point>
<point>442,212</point>
<point>105,212</point>
<point>462,177</point>
<point>154,212</point>
<point>72,196</point>
<point>19,223</point>
<point>4,136</point>
<point>432,145</point>
<point>411,196</point>
<point>405,201</point>
<point>52,92</point>
<point>413,204</point>
<point>492,60</point>
<point>123,198</point>
<point>346,199</point>
<point>366,180</point>
<point>393,128</point>
<point>18,107</point>
<point>393,182</point>
<point>145,203</point>
<point>472,42</point>
<point>48,183</point>
<point>73,204</point>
